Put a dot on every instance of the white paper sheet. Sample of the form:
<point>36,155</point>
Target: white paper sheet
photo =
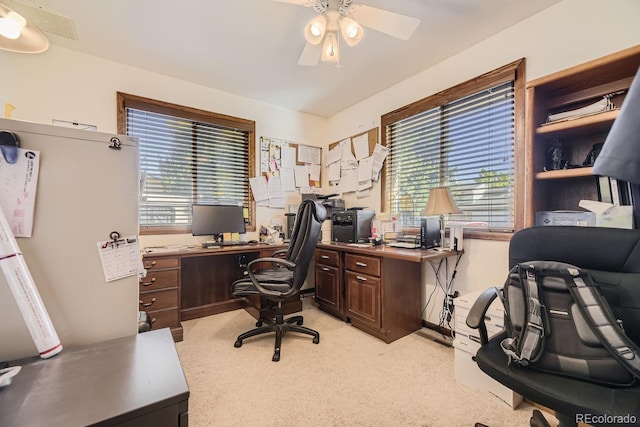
<point>314,172</point>
<point>259,188</point>
<point>361,146</point>
<point>307,154</point>
<point>380,153</point>
<point>288,157</point>
<point>288,181</point>
<point>120,258</point>
<point>334,155</point>
<point>364,169</point>
<point>334,171</point>
<point>302,176</point>
<point>18,183</point>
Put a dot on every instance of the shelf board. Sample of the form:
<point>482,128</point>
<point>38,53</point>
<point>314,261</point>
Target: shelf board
<point>565,173</point>
<point>592,121</point>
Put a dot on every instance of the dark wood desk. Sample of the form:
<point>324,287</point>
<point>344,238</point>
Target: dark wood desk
<point>131,381</point>
<point>376,288</point>
<point>189,283</point>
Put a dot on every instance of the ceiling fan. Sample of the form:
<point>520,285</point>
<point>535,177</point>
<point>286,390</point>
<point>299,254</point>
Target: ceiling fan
<point>346,18</point>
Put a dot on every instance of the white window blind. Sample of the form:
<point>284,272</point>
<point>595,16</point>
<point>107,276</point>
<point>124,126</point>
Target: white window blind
<point>184,162</point>
<point>466,144</point>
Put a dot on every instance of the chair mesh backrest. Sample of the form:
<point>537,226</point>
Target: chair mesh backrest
<point>304,237</point>
<point>611,255</point>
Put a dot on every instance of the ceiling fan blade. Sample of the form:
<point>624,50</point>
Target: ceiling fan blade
<point>299,2</point>
<point>391,23</point>
<point>310,55</point>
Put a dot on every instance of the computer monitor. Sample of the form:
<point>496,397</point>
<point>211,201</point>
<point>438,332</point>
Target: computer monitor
<point>211,220</point>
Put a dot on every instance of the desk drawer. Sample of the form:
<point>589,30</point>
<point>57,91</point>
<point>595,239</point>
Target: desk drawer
<point>158,263</point>
<point>156,280</point>
<point>323,256</point>
<point>164,318</point>
<point>158,300</point>
<point>362,264</point>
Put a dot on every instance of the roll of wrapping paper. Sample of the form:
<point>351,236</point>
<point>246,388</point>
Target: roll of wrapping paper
<point>26,293</point>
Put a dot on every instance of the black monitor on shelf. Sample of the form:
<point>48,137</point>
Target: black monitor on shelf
<point>213,220</point>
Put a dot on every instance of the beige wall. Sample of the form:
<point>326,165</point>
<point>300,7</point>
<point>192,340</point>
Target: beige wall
<point>62,84</point>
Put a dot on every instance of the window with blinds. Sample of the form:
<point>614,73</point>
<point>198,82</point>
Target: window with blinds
<point>185,161</point>
<point>467,144</point>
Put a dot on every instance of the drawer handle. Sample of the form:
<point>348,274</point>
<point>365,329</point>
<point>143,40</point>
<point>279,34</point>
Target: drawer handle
<point>361,264</point>
<point>153,320</point>
<point>324,257</point>
<point>325,269</point>
<point>364,279</point>
<point>474,338</point>
<point>147,304</point>
<point>149,283</point>
<point>151,264</point>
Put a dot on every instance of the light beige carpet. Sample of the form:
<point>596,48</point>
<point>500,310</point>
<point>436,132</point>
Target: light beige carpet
<point>349,379</point>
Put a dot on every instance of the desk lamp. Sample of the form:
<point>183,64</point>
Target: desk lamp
<point>620,155</point>
<point>441,203</point>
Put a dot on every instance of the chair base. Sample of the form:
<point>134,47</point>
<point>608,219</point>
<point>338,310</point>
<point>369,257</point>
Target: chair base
<point>279,326</point>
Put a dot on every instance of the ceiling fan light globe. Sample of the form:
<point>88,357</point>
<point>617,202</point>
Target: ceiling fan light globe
<point>9,29</point>
<point>315,29</point>
<point>352,32</point>
<point>11,25</point>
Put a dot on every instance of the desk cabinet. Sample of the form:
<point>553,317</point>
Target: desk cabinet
<point>382,287</point>
<point>329,292</point>
<point>362,280</point>
<point>160,293</point>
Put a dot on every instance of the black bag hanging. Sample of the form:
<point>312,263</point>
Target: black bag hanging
<point>558,322</point>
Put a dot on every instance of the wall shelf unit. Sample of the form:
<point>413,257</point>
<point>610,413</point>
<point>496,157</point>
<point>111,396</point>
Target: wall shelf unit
<point>567,90</point>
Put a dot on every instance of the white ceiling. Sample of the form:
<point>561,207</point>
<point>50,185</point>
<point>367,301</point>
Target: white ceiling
<point>251,47</point>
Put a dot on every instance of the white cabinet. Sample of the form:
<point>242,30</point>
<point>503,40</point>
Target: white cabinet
<point>467,343</point>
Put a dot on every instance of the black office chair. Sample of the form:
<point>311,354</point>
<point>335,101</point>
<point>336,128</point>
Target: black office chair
<point>285,278</point>
<point>612,256</point>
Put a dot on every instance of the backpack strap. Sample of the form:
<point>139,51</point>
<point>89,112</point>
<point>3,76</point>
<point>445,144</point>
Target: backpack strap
<point>531,337</point>
<point>597,313</point>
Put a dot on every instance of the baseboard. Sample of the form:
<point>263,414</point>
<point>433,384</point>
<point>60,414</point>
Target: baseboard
<point>309,292</point>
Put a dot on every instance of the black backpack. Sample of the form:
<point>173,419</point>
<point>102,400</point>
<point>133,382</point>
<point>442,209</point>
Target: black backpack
<point>557,321</point>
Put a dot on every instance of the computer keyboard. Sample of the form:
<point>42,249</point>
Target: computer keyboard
<point>219,244</point>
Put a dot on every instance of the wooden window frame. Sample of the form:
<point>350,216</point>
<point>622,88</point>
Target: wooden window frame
<point>125,100</point>
<point>514,71</point>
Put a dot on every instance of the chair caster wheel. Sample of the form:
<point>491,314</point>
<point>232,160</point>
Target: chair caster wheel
<point>299,322</point>
<point>258,323</point>
<point>316,340</point>
<point>237,344</point>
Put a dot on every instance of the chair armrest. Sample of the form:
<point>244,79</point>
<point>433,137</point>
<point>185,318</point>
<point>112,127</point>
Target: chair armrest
<point>475,318</point>
<point>279,251</point>
<point>280,261</point>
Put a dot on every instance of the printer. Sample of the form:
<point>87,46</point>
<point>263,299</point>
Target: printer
<point>351,225</point>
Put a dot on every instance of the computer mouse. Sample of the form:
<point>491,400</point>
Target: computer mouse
<point>252,242</point>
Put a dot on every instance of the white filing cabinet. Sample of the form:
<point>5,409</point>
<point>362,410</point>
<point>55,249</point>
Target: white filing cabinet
<point>467,343</point>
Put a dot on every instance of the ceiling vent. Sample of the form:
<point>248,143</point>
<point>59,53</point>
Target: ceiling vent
<point>47,20</point>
